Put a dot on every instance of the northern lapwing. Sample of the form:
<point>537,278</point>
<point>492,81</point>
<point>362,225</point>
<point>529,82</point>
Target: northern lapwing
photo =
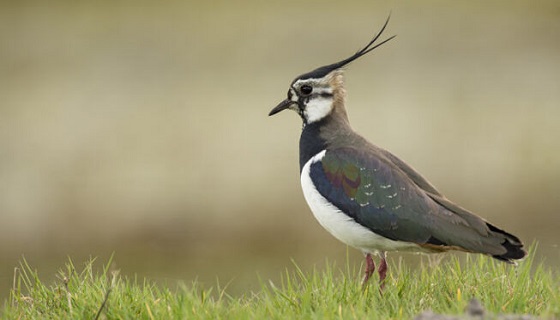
<point>367,197</point>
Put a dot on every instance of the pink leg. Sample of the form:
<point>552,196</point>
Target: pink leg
<point>382,270</point>
<point>370,268</point>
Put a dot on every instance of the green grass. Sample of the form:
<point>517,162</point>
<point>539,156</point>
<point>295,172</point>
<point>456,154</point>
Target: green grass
<point>331,292</point>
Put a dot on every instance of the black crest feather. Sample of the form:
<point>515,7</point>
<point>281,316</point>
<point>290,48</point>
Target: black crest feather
<point>324,70</point>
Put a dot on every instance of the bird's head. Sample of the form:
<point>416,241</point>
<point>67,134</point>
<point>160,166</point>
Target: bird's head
<point>315,94</point>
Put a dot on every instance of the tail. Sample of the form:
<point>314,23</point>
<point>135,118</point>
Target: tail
<point>512,244</point>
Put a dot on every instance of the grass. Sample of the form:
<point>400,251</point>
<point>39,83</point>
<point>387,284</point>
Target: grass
<point>331,292</point>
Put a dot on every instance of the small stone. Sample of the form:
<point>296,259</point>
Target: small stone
<point>474,308</point>
<point>430,315</point>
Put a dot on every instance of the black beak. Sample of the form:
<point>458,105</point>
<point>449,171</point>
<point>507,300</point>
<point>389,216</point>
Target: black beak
<point>281,106</point>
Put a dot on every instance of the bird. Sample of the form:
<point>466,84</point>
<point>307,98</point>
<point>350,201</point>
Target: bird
<point>367,197</point>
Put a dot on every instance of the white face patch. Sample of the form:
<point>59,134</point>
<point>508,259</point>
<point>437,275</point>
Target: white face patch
<point>317,108</point>
<point>319,103</point>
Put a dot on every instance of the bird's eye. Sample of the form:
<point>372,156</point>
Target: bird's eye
<point>305,89</point>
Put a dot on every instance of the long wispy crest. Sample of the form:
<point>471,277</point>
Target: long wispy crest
<point>323,71</point>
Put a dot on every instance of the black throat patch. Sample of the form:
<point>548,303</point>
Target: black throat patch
<point>310,142</point>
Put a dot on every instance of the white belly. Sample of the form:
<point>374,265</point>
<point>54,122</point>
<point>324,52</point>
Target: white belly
<point>341,226</point>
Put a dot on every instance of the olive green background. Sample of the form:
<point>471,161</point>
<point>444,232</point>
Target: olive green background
<point>141,128</point>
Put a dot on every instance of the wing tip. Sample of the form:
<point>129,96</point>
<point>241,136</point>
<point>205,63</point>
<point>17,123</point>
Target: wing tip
<point>514,251</point>
<point>512,245</point>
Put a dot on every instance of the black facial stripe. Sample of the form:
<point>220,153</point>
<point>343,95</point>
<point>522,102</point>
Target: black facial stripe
<point>302,101</point>
<point>315,95</point>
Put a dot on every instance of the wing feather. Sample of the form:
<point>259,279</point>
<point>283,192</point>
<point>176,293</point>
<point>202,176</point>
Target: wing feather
<point>383,194</point>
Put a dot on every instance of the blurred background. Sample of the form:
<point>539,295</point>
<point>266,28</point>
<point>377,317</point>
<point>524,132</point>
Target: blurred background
<point>140,128</point>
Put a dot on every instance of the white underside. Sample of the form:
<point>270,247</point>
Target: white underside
<point>341,226</point>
